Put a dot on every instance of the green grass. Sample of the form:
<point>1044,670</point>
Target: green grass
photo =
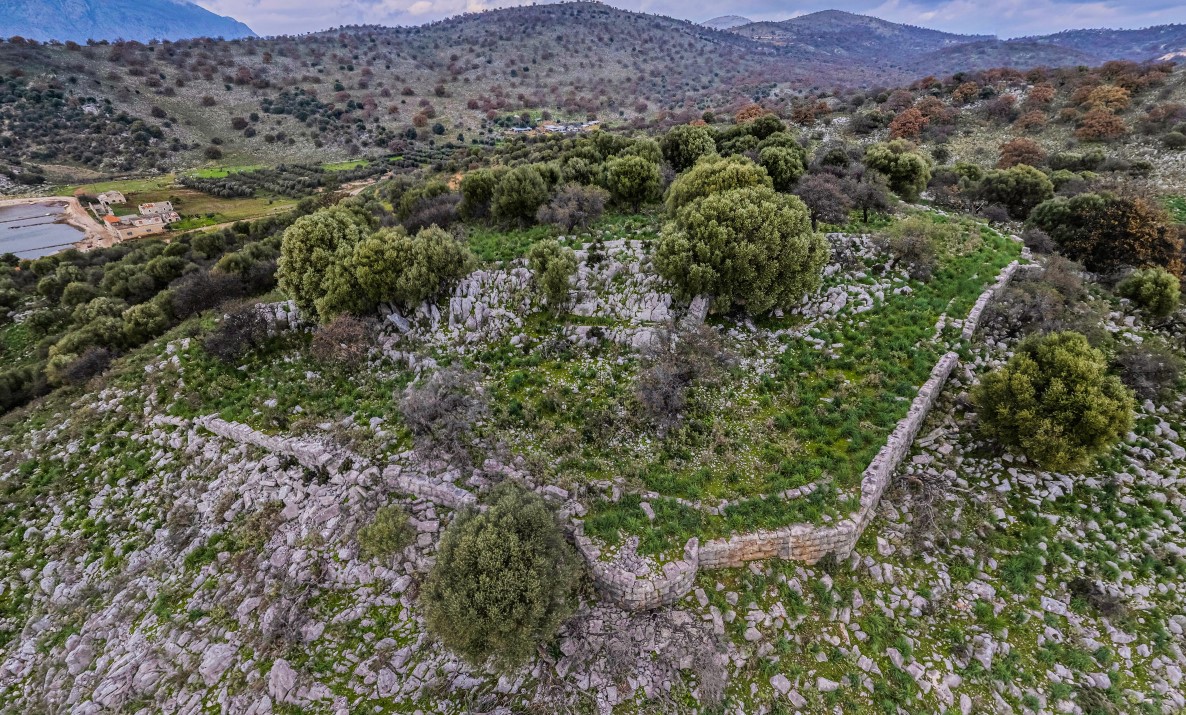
<point>346,165</point>
<point>1177,207</point>
<point>493,245</point>
<point>817,418</point>
<point>221,172</point>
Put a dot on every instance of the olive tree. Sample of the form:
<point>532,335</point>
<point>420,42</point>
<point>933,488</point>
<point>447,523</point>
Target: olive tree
<point>750,248</point>
<point>633,180</point>
<point>519,194</point>
<point>784,164</point>
<point>308,249</point>
<point>552,265</point>
<point>503,582</point>
<point>684,145</point>
<point>712,174</point>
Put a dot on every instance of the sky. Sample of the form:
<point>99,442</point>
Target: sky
<point>1004,18</point>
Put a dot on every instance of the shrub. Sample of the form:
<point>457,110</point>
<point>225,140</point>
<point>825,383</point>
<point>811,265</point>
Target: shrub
<point>1019,189</point>
<point>916,251</point>
<point>1055,402</point>
<point>824,198</point>
<point>392,266</point>
<point>750,248</point>
<point>1047,302</point>
<point>202,290</point>
<point>441,413</point>
<point>1154,290</point>
<point>713,174</point>
<point>519,194</point>
<point>553,265</point>
<point>503,582</point>
<point>308,253</point>
<point>574,206</point>
<point>439,211</point>
<point>633,180</point>
<point>676,361</point>
<point>343,341</point>
<point>784,165</point>
<point>1021,151</point>
<point>79,370</point>
<point>477,191</point>
<point>1174,140</point>
<point>242,329</point>
<point>684,145</point>
<point>1106,232</point>
<point>1037,240</point>
<point>388,534</point>
<point>1150,369</point>
<point>906,170</point>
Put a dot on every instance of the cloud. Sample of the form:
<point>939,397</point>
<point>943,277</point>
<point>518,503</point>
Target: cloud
<point>1005,18</point>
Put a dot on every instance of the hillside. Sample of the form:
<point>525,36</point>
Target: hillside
<point>140,20</point>
<point>726,22</point>
<point>1102,45</point>
<point>856,37</point>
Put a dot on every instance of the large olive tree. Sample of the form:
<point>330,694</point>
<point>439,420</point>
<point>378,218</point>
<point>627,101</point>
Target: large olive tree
<point>750,248</point>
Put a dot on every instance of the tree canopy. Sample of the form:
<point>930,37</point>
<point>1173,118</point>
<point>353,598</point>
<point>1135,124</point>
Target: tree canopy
<point>750,248</point>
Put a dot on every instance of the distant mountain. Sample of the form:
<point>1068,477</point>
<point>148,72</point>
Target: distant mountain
<point>1102,45</point>
<point>857,37</point>
<point>140,20</point>
<point>726,22</point>
<point>872,42</point>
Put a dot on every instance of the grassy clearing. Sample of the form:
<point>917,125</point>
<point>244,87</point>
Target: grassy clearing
<point>1177,207</point>
<point>196,208</point>
<point>346,165</point>
<point>221,172</point>
<point>818,417</point>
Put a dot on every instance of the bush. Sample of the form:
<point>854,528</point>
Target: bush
<point>441,413</point>
<point>477,191</point>
<point>503,582</point>
<point>1037,240</point>
<point>202,290</point>
<point>633,180</point>
<point>79,371</point>
<point>392,266</point>
<point>1174,140</point>
<point>388,534</point>
<point>1107,232</point>
<point>1055,402</point>
<point>1154,290</point>
<point>553,265</point>
<point>1047,302</point>
<point>916,251</point>
<point>684,145</point>
<point>784,165</point>
<point>242,329</point>
<point>519,194</point>
<point>713,174</point>
<point>906,170</point>
<point>676,361</point>
<point>574,206</point>
<point>1019,189</point>
<point>343,341</point>
<point>749,248</point>
<point>308,253</point>
<point>1150,370</point>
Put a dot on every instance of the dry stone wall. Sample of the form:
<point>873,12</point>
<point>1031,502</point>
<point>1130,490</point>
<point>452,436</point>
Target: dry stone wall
<point>798,542</point>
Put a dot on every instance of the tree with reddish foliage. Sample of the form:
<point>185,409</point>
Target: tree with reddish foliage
<point>1100,125</point>
<point>1021,151</point>
<point>749,113</point>
<point>1106,232</point>
<point>1032,120</point>
<point>908,124</point>
<point>965,93</point>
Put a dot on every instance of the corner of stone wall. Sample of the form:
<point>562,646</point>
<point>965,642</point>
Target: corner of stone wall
<point>799,542</point>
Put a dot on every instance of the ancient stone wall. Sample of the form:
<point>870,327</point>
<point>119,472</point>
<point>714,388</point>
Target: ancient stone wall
<point>798,542</point>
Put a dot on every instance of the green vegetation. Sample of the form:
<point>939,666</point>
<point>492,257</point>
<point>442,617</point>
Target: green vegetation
<point>1055,402</point>
<point>747,248</point>
<point>503,582</point>
<point>1155,291</point>
<point>388,534</point>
